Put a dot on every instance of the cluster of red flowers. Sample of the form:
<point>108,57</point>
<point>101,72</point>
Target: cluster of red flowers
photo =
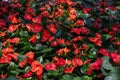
<point>62,34</point>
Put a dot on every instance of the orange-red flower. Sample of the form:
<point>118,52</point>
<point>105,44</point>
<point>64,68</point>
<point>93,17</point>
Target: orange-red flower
<point>3,76</point>
<point>59,12</point>
<point>14,20</point>
<point>12,28</point>
<point>2,34</point>
<point>33,39</point>
<point>86,10</point>
<point>37,68</point>
<point>61,62</point>
<point>45,36</point>
<point>50,66</point>
<point>77,62</point>
<point>37,19</point>
<point>22,63</point>
<point>68,69</point>
<point>87,61</point>
<point>63,50</point>
<point>13,40</point>
<point>5,59</point>
<point>28,74</point>
<point>28,26</point>
<point>52,28</point>
<point>30,55</point>
<point>36,27</point>
<point>97,39</point>
<point>7,50</point>
<point>61,41</point>
<point>79,22</point>
<point>72,14</point>
<point>27,16</point>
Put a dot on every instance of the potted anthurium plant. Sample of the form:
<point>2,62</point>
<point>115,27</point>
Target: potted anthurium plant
<point>60,40</point>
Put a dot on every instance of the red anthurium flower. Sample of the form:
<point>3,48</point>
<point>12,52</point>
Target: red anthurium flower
<point>5,59</point>
<point>13,40</point>
<point>61,41</point>
<point>78,31</point>
<point>78,38</point>
<point>45,13</point>
<point>61,62</point>
<point>12,28</point>
<point>86,10</point>
<point>117,43</point>
<point>66,50</point>
<point>104,52</point>
<point>50,66</point>
<point>3,76</point>
<point>28,74</point>
<point>112,8</point>
<point>37,19</point>
<point>84,47</point>
<point>63,50</point>
<point>97,23</point>
<point>37,67</point>
<point>54,43</point>
<point>36,27</point>
<point>79,22</point>
<point>75,45</point>
<point>77,51</point>
<point>61,1</point>
<point>72,14</point>
<point>22,63</point>
<point>39,77</point>
<point>14,20</point>
<point>68,69</point>
<point>88,72</point>
<point>2,34</point>
<point>30,55</point>
<point>59,12</point>
<point>33,39</point>
<point>87,61</point>
<point>28,26</point>
<point>52,28</point>
<point>96,65</point>
<point>27,16</point>
<point>7,50</point>
<point>45,35</point>
<point>68,62</point>
<point>13,56</point>
<point>115,57</point>
<point>2,23</point>
<point>96,39</point>
<point>77,62</point>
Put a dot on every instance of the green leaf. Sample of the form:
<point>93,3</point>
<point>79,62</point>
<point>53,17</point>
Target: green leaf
<point>40,59</point>
<point>106,64</point>
<point>38,46</point>
<point>53,73</point>
<point>108,78</point>
<point>86,78</point>
<point>23,33</point>
<point>12,78</point>
<point>76,78</point>
<point>45,50</point>
<point>67,77</point>
<point>21,57</point>
<point>104,72</point>
<point>0,45</point>
<point>106,36</point>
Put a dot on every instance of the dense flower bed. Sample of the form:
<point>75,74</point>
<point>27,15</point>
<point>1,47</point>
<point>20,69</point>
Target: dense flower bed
<point>60,40</point>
